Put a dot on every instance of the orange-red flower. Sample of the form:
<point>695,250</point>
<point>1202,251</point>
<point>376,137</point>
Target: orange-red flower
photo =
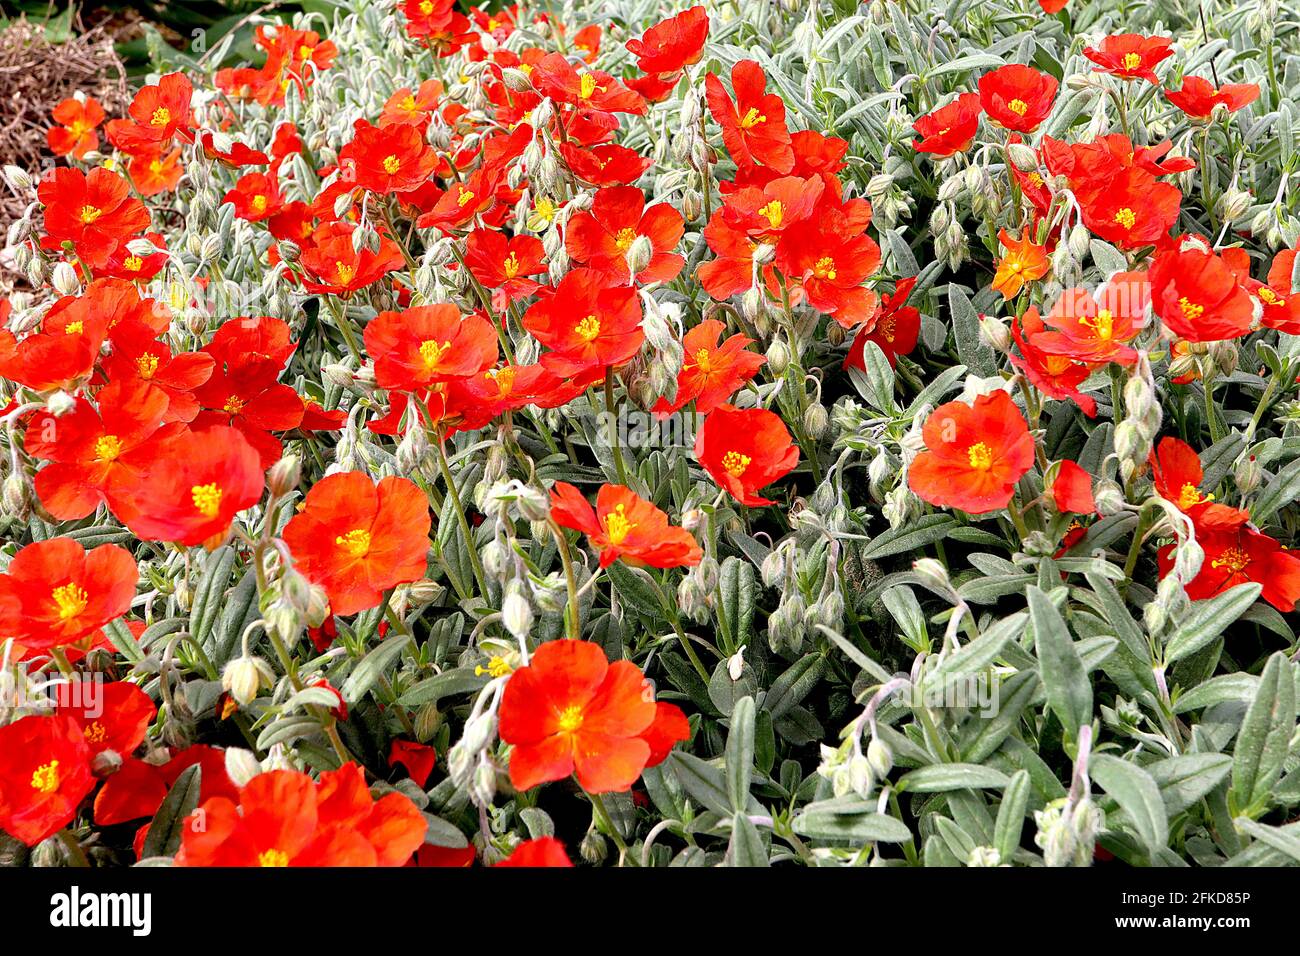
<point>412,107</point>
<point>672,44</point>
<point>1096,330</point>
<point>1198,296</point>
<point>556,77</point>
<point>1199,97</point>
<point>335,267</point>
<point>139,356</point>
<point>1177,474</point>
<point>75,135</point>
<point>1056,376</point>
<point>949,129</point>
<point>95,212</point>
<point>1130,56</point>
<point>256,196</point>
<point>357,538</point>
<point>607,165</point>
<point>570,711</point>
<point>1238,556</point>
<point>974,455</point>
<point>753,126</point>
<point>56,592</point>
<point>1025,261</point>
<point>113,715</point>
<point>199,481</point>
<point>1131,208</point>
<point>505,264</point>
<point>1072,489</point>
<point>283,818</point>
<point>624,525</point>
<point>744,450</point>
<point>156,172</point>
<point>710,372</point>
<point>894,326</point>
<point>587,323</point>
<point>1017,97</point>
<point>44,776</point>
<point>544,851</point>
<point>826,258</point>
<point>429,344</point>
<point>388,159</point>
<point>158,112</point>
<point>602,237</point>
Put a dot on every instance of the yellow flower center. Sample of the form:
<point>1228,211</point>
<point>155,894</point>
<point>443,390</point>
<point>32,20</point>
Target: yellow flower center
<point>133,263</point>
<point>825,268</point>
<point>161,117</point>
<point>570,719</point>
<point>980,456</point>
<point>1188,496</point>
<point>206,498</point>
<point>408,104</point>
<point>147,365</point>
<point>356,542</point>
<point>1019,107</point>
<point>70,599</point>
<point>89,214</point>
<point>1103,323</point>
<point>1190,309</point>
<point>156,166</point>
<point>273,857</point>
<point>617,526</point>
<point>464,197</point>
<point>1126,217</point>
<point>588,328</point>
<point>107,447</point>
<point>259,203</point>
<point>587,86</point>
<point>1269,297</point>
<point>234,405</point>
<point>95,733</point>
<point>431,352</point>
<point>497,666</point>
<point>1234,559</point>
<point>703,360</point>
<point>752,118</point>
<point>625,239</point>
<point>46,777</point>
<point>734,463</point>
<point>391,165</point>
<point>344,272</point>
<point>1034,180</point>
<point>74,328</point>
<point>1132,61</point>
<point>511,266</point>
<point>773,212</point>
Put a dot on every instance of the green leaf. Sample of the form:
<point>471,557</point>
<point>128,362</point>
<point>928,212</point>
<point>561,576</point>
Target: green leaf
<point>912,536</point>
<point>971,658</point>
<point>1011,815</point>
<point>1278,839</point>
<point>1283,490</point>
<point>942,777</point>
<point>164,836</point>
<point>210,590</point>
<point>972,351</point>
<point>637,589</point>
<point>372,667</point>
<point>1069,693</point>
<point>1217,690</point>
<point>794,684</point>
<point>852,821</point>
<point>1264,738</point>
<point>740,753</point>
<point>739,589</point>
<point>1137,795</point>
<point>746,846</point>
<point>703,782</point>
<point>1206,620</point>
<point>1186,778</point>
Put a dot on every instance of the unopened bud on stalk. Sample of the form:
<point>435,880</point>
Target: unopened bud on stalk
<point>15,496</point>
<point>516,612</point>
<point>1108,496</point>
<point>1247,474</point>
<point>994,332</point>
<point>19,179</point>
<point>1022,157</point>
<point>880,757</point>
<point>638,254</point>
<point>932,574</point>
<point>778,356</point>
<point>283,476</point>
<point>816,420</point>
<point>244,677</point>
<point>64,279</point>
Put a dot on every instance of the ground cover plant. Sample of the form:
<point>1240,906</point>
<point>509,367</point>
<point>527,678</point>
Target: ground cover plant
<point>597,433</point>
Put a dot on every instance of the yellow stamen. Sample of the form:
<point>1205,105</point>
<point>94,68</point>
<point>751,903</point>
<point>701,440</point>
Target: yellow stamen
<point>147,365</point>
<point>752,118</point>
<point>89,214</point>
<point>207,499</point>
<point>161,117</point>
<point>774,213</point>
<point>273,857</point>
<point>980,456</point>
<point>511,266</point>
<point>1190,309</point>
<point>107,447</point>
<point>570,719</point>
<point>391,165</point>
<point>431,352</point>
<point>356,542</point>
<point>734,463</point>
<point>234,405</point>
<point>625,239</point>
<point>344,272</point>
<point>95,733</point>
<point>617,526</point>
<point>588,328</point>
<point>1132,61</point>
<point>1126,217</point>
<point>825,268</point>
<point>1234,559</point>
<point>46,777</point>
<point>70,599</point>
<point>1019,107</point>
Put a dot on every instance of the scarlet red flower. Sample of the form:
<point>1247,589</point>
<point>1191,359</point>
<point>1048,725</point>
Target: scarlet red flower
<point>158,113</point>
<point>1017,97</point>
<point>357,538</point>
<point>338,268</point>
<point>733,269</point>
<point>423,346</point>
<point>571,711</point>
<point>624,525</point>
<point>155,172</point>
<point>1199,97</point>
<point>282,818</point>
<point>1177,474</point>
<point>255,197</point>
<point>138,356</point>
<point>55,592</point>
<point>1096,330</point>
<point>417,758</point>
<point>765,214</point>
<point>672,44</point>
<point>412,107</point>
<point>230,153</point>
<point>456,207</point>
<point>753,126</point>
<point>710,372</point>
<point>1072,489</point>
<point>199,481</point>
<point>587,324</point>
<point>668,728</point>
<point>602,237</point>
<point>1132,208</point>
<point>974,455</point>
<point>75,135</point>
<point>827,258</point>
<point>554,76</point>
<point>949,129</point>
<point>1238,556</point>
<point>744,450</point>
<point>1130,56</point>
<point>59,357</point>
<point>138,788</point>
<point>44,776</point>
<point>1052,6</point>
<point>1025,261</point>
<point>504,264</point>
<point>113,716</point>
<point>388,159</point>
<point>894,326</point>
<point>606,165</point>
<point>1198,296</point>
<point>94,212</point>
<point>544,851</point>
<point>1056,376</point>
<point>93,454</point>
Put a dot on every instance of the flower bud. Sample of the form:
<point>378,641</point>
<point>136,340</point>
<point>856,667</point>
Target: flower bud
<point>816,420</point>
<point>64,279</point>
<point>516,612</point>
<point>243,677</point>
<point>880,757</point>
<point>1247,474</point>
<point>778,356</point>
<point>19,179</point>
<point>283,476</point>
<point>994,332</point>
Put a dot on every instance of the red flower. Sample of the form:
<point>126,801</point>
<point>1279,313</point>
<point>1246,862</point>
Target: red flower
<point>199,481</point>
<point>1096,330</point>
<point>335,267</point>
<point>744,450</point>
<point>282,818</point>
<point>412,107</point>
<point>974,455</point>
<point>571,711</point>
<point>668,728</point>
<point>894,326</point>
<point>154,173</point>
<point>138,356</point>
<point>1131,208</point>
<point>429,344</point>
<point>753,126</point>
<point>1025,261</point>
<point>556,77</point>
<point>1056,376</point>
<point>602,237</point>
<point>112,716</point>
<point>1177,474</point>
<point>1017,97</point>
<point>733,269</point>
<point>255,197</point>
<point>624,525</point>
<point>418,759</point>
<point>357,539</point>
<point>1198,296</point>
<point>672,44</point>
<point>94,212</point>
<point>829,260</point>
<point>607,165</point>
<point>710,372</point>
<point>231,153</point>
<point>388,159</point>
<point>587,324</point>
<point>75,135</point>
<point>544,851</point>
<point>1072,489</point>
<point>505,264</point>
<point>1130,56</point>
<point>1238,556</point>
<point>158,113</point>
<point>1198,97</point>
<point>44,776</point>
<point>949,129</point>
<point>55,592</point>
